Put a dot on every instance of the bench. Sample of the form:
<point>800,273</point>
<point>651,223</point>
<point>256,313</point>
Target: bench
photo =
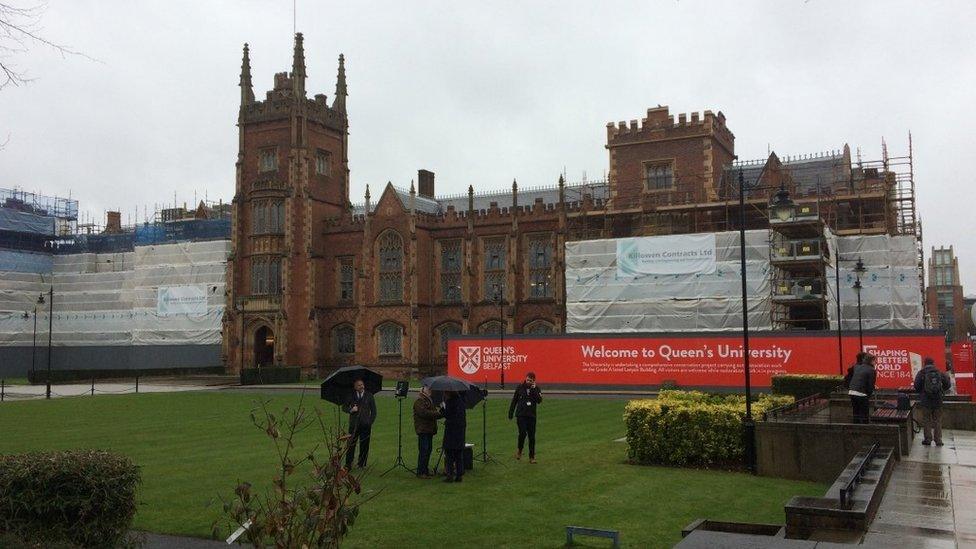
<point>593,532</point>
<point>901,418</point>
<point>851,502</point>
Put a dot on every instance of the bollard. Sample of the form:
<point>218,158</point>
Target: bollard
<point>48,392</point>
<point>3,388</point>
<point>137,385</point>
<point>93,386</point>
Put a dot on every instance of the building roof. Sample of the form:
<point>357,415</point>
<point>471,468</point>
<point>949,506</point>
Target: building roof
<point>598,190</point>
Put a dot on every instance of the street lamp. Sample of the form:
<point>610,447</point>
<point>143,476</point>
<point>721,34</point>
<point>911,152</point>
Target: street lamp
<point>748,424</point>
<point>859,270</point>
<point>500,298</point>
<point>243,303</point>
<point>50,332</point>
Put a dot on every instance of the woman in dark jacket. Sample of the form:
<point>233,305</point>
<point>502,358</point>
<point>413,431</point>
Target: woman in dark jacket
<point>455,423</point>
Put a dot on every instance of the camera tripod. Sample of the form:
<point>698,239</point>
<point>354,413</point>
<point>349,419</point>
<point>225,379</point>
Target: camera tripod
<point>485,456</point>
<point>399,459</point>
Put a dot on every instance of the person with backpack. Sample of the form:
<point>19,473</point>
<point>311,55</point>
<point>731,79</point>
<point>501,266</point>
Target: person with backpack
<point>931,385</point>
<point>860,380</point>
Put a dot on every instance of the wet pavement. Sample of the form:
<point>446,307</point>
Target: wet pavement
<point>931,497</point>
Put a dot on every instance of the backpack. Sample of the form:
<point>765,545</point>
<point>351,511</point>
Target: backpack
<point>933,383</point>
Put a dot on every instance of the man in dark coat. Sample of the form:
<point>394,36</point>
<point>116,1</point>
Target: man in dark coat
<point>860,381</point>
<point>455,424</point>
<point>524,402</point>
<point>425,416</point>
<point>931,385</point>
<point>361,408</point>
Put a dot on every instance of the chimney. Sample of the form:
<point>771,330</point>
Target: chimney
<point>113,222</point>
<point>425,183</point>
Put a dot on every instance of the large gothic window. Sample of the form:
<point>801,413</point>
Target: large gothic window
<point>494,269</point>
<point>266,276</point>
<point>539,259</point>
<point>444,333</point>
<point>267,217</point>
<point>343,340</point>
<point>492,327</point>
<point>539,327</point>
<point>391,266</point>
<point>390,339</point>
<point>450,271</point>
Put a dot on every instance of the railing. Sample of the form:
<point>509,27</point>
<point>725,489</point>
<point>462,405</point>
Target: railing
<point>847,490</point>
<point>802,405</point>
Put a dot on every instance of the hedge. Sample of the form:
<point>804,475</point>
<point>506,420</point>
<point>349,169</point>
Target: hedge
<point>270,375</point>
<point>691,428</point>
<point>83,498</point>
<point>803,385</point>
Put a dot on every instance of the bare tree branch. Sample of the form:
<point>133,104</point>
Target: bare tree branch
<point>19,28</point>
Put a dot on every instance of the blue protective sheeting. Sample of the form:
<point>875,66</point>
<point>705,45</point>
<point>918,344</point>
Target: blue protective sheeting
<point>24,222</point>
<point>25,262</point>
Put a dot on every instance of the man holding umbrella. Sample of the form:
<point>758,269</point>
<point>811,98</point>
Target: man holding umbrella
<point>425,416</point>
<point>361,408</point>
<point>459,395</point>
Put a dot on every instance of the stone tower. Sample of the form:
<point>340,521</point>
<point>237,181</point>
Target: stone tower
<point>292,174</point>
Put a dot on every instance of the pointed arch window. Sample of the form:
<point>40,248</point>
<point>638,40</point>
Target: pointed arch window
<point>390,340</point>
<point>390,247</point>
<point>343,340</point>
<point>444,333</point>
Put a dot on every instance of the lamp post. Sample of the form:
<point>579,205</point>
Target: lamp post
<point>748,424</point>
<point>501,329</point>
<point>40,301</point>
<point>840,335</point>
<point>240,309</point>
<point>50,332</point>
<point>859,270</point>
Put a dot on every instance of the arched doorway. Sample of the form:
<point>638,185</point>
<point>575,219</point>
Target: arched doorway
<point>264,341</point>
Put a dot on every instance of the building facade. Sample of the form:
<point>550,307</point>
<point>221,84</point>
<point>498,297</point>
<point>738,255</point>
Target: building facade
<point>944,295</point>
<point>317,282</point>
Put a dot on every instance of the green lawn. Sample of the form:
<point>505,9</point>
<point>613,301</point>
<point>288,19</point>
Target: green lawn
<point>193,446</point>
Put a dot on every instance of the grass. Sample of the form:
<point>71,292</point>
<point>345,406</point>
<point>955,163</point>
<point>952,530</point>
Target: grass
<point>15,381</point>
<point>194,446</point>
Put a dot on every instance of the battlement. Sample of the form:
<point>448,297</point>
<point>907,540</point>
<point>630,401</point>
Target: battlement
<point>660,124</point>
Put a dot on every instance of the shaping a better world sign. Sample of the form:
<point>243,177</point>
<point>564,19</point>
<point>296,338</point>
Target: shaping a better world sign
<point>657,255</point>
<point>181,300</point>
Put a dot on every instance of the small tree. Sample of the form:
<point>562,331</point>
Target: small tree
<point>316,513</point>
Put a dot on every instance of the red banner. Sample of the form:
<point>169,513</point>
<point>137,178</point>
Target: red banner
<point>962,366</point>
<point>701,360</point>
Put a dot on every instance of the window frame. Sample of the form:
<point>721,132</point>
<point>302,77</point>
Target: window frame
<point>441,349</point>
<point>326,157</point>
<point>450,275</point>
<point>346,264</point>
<point>648,165</point>
<point>390,275</point>
<point>536,272</point>
<point>337,330</point>
<point>494,273</point>
<point>389,325</point>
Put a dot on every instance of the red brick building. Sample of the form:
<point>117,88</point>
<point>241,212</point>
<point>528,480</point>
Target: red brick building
<point>315,281</point>
<point>944,295</point>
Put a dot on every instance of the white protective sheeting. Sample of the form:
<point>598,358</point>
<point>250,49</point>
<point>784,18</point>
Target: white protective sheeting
<point>111,299</point>
<point>599,299</point>
<point>891,295</point>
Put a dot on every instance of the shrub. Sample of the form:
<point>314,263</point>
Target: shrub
<point>81,498</point>
<point>691,428</point>
<point>804,385</point>
<point>318,512</point>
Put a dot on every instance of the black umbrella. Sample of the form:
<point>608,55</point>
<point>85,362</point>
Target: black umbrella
<point>337,388</point>
<point>471,393</point>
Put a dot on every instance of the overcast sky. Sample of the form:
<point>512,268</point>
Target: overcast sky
<point>484,93</point>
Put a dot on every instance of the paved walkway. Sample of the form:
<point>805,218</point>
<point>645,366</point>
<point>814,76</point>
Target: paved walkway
<point>931,497</point>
